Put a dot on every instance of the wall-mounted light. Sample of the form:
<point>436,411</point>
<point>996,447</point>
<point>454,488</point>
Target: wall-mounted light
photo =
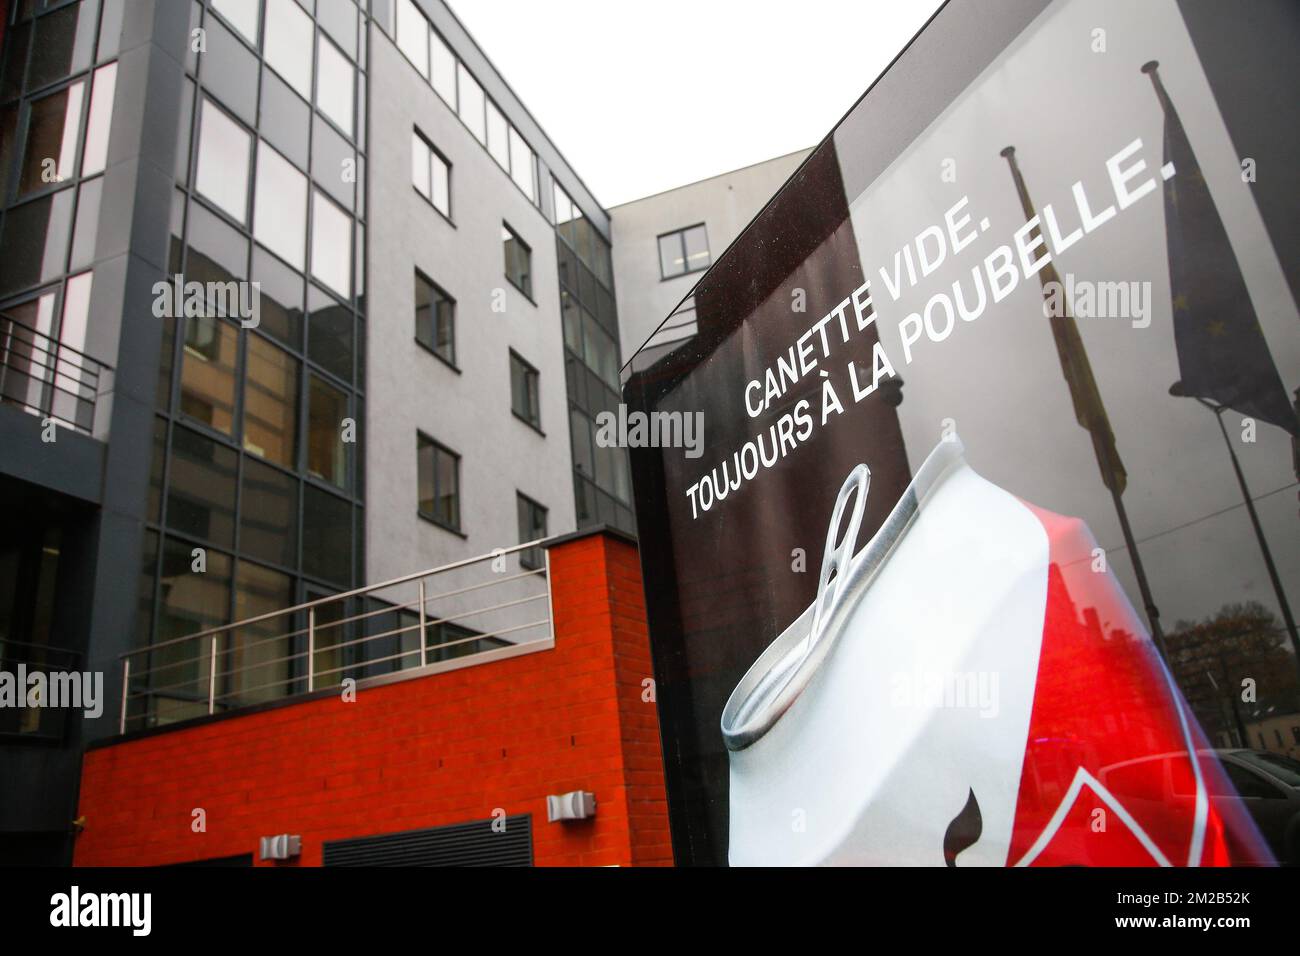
<point>575,805</point>
<point>281,847</point>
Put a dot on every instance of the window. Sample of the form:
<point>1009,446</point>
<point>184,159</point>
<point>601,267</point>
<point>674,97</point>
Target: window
<point>208,372</point>
<point>532,527</point>
<point>413,36</point>
<point>268,514</point>
<point>443,64</point>
<point>335,84</point>
<point>431,174</point>
<point>331,245</point>
<point>95,151</point>
<point>522,165</point>
<point>240,14</point>
<point>519,261</point>
<point>280,207</point>
<point>222,173</point>
<point>523,391</point>
<point>498,136</point>
<point>326,538</point>
<point>201,491</point>
<point>50,154</point>
<point>288,43</point>
<point>686,250</point>
<point>439,482</point>
<point>471,107</point>
<point>326,456</point>
<point>435,317</point>
<point>270,402</point>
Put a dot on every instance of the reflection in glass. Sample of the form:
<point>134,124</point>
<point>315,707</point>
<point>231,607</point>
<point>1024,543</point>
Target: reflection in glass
<point>519,261</point>
<point>50,153</point>
<point>522,165</point>
<point>326,452</point>
<point>189,602</point>
<point>35,241</point>
<point>222,172</point>
<point>331,245</point>
<point>443,74</point>
<point>334,84</point>
<point>253,656</point>
<point>498,136</point>
<point>326,536</point>
<point>329,334</point>
<point>201,488</point>
<point>268,514</point>
<point>208,372</point>
<point>240,14</point>
<point>288,43</point>
<point>270,402</point>
<point>280,205</point>
<point>413,35</point>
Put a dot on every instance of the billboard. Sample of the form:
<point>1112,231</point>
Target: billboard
<point>985,546</point>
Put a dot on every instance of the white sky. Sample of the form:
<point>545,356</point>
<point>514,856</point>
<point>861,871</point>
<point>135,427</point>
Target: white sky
<point>645,97</point>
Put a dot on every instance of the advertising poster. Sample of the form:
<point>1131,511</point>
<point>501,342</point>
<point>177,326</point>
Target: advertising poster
<point>990,551</point>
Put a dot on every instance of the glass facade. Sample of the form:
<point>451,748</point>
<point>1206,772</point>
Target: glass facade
<point>57,86</point>
<point>257,457</point>
<point>602,485</point>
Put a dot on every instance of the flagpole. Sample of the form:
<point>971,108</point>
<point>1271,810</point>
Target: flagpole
<point>1090,412</point>
<point>1177,390</point>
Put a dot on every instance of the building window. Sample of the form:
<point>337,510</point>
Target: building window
<point>532,527</point>
<point>413,36</point>
<point>327,407</point>
<point>331,245</point>
<point>240,14</point>
<point>471,106</point>
<point>519,261</point>
<point>50,153</point>
<point>442,69</point>
<point>439,482</point>
<point>431,174</point>
<point>523,391</point>
<point>435,319</point>
<point>222,173</point>
<point>287,44</point>
<point>270,402</point>
<point>280,207</point>
<point>523,165</point>
<point>208,372</point>
<point>335,84</point>
<point>683,251</point>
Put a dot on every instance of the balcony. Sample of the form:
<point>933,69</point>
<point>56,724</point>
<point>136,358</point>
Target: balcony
<point>481,609</point>
<point>48,378</point>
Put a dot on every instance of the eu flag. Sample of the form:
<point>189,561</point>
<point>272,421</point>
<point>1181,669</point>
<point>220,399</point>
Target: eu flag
<point>1222,353</point>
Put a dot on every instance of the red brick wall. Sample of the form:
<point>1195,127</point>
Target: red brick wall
<point>441,749</point>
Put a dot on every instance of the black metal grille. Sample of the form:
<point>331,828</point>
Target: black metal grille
<point>461,844</point>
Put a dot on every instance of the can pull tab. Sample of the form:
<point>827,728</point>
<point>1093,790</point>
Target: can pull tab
<point>836,558</point>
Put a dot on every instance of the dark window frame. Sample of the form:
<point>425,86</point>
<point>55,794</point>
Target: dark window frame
<point>431,347</point>
<point>531,559</point>
<point>681,242</point>
<point>526,288</point>
<point>455,526</point>
<point>531,374</point>
<point>434,151</point>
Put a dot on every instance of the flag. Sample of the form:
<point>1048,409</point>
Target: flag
<point>1222,353</point>
<point>1089,410</point>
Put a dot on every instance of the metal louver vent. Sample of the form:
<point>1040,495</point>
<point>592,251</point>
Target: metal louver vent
<point>461,844</point>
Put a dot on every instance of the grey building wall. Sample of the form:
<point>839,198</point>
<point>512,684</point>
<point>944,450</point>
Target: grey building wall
<point>409,389</point>
<point>724,203</point>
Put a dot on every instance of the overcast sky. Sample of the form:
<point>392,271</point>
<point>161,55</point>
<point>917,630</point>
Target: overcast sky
<point>644,97</point>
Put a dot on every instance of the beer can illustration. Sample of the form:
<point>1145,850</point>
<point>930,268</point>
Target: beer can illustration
<point>970,688</point>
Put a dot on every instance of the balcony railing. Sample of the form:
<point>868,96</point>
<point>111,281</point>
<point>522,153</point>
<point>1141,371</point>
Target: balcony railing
<point>46,377</point>
<point>468,612</point>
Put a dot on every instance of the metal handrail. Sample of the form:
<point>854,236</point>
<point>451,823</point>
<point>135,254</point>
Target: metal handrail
<point>54,367</point>
<point>208,646</point>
